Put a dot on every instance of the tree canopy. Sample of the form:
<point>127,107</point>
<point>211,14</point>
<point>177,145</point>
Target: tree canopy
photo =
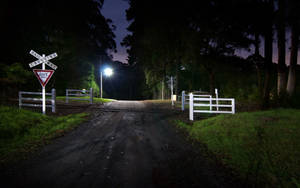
<point>169,35</point>
<point>76,30</point>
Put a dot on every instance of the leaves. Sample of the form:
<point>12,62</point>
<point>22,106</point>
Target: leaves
<point>76,30</point>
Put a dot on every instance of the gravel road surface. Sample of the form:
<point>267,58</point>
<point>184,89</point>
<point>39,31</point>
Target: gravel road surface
<point>124,144</point>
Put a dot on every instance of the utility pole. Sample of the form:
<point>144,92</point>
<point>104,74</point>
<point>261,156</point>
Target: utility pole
<point>162,90</point>
<point>172,90</point>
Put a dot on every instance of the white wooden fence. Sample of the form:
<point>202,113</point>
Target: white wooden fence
<point>22,99</point>
<point>214,104</point>
<point>185,97</point>
<point>76,94</point>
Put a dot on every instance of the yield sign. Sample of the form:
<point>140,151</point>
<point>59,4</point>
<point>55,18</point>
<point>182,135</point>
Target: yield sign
<point>43,75</point>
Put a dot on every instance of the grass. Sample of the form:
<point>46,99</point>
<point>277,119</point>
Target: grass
<point>95,99</point>
<point>263,146</point>
<point>22,131</point>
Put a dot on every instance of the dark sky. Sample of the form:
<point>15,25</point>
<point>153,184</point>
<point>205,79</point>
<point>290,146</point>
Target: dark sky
<point>115,10</point>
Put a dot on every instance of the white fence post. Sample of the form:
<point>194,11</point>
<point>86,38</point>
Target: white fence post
<point>191,107</point>
<point>91,95</point>
<point>67,97</point>
<point>210,103</point>
<point>182,100</point>
<point>233,106</point>
<point>53,101</point>
<point>217,101</point>
<point>20,99</point>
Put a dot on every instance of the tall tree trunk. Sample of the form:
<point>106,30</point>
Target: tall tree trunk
<point>211,75</point>
<point>281,67</point>
<point>268,35</point>
<point>258,66</point>
<point>256,44</point>
<point>293,61</point>
<point>177,83</point>
<point>268,66</point>
<point>211,82</point>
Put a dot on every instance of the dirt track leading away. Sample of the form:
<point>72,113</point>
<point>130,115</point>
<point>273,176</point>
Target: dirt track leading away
<point>124,144</point>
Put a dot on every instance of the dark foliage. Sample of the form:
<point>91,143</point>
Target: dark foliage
<point>168,36</point>
<point>76,30</point>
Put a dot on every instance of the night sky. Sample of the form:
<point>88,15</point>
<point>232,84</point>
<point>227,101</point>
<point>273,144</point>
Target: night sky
<point>115,10</point>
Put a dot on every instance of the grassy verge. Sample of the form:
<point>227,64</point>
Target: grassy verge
<point>264,146</point>
<point>95,99</point>
<point>22,131</point>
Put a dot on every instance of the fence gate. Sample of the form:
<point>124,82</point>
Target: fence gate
<point>22,99</point>
<point>185,98</point>
<point>76,94</point>
<point>198,104</point>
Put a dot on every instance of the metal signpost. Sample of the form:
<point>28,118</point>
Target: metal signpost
<point>43,75</point>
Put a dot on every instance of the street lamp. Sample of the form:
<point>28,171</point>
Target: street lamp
<point>107,72</point>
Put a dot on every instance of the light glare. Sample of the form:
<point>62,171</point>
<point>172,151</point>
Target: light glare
<point>108,72</point>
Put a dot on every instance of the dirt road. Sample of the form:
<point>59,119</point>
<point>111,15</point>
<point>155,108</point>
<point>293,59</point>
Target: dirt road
<point>125,144</point>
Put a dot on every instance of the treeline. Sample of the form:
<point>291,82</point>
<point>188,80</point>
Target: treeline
<point>75,30</point>
<point>170,37</point>
<point>126,83</point>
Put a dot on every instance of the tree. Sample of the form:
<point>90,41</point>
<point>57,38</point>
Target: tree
<point>294,24</point>
<point>281,66</point>
<point>76,30</point>
<point>179,34</point>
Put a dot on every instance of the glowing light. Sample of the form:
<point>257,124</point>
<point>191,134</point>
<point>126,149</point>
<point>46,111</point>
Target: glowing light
<point>108,71</point>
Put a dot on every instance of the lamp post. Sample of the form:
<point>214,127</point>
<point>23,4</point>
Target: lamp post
<point>107,72</point>
<point>100,84</point>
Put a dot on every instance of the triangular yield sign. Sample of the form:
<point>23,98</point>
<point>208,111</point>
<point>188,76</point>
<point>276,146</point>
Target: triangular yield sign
<point>43,75</point>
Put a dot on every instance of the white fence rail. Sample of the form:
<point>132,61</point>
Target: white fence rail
<point>22,99</point>
<point>76,94</point>
<point>185,98</point>
<point>215,105</point>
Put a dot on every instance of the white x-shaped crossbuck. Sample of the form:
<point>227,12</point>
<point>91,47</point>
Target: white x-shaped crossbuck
<point>43,59</point>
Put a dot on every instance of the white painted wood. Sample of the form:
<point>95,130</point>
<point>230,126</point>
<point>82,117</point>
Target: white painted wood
<point>213,104</point>
<point>191,107</point>
<point>43,59</point>
<point>22,99</point>
<point>53,100</point>
<point>233,106</point>
<point>44,91</point>
<point>91,95</point>
<point>212,112</point>
<point>84,93</point>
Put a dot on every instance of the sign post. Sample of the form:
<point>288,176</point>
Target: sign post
<point>44,90</point>
<point>43,75</point>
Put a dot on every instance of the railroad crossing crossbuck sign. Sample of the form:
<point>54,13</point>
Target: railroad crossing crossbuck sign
<point>43,59</point>
<point>43,75</point>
